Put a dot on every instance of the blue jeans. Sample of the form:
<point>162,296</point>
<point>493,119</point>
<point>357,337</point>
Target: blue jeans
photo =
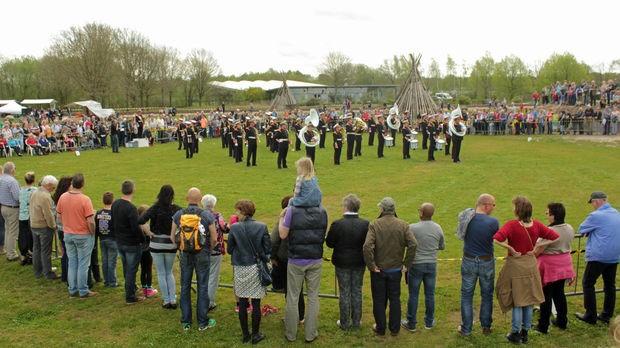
<point>200,263</point>
<point>130,256</point>
<point>109,254</point>
<point>521,318</point>
<point>79,247</point>
<point>167,285</point>
<point>473,270</point>
<point>427,273</point>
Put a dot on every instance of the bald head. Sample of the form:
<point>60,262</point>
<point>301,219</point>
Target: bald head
<point>485,203</point>
<point>194,196</point>
<point>426,211</point>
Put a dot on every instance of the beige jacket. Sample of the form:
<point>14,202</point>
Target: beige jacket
<point>386,241</point>
<point>41,215</point>
<point>518,283</point>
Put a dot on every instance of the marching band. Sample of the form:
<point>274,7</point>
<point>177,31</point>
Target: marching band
<point>439,132</point>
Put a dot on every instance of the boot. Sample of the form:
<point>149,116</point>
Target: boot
<point>256,317</point>
<point>523,336</point>
<point>243,321</point>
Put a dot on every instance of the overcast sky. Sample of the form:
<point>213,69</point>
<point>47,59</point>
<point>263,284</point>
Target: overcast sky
<point>261,34</point>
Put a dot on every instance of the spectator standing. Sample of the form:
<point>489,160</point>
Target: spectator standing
<point>9,202</point>
<point>384,254</point>
<point>24,240</point>
<point>77,215</point>
<point>476,228</point>
<point>215,260</point>
<point>163,249</point>
<point>195,261</point>
<point>346,236</point>
<point>602,227</point>
<point>429,236</point>
<point>43,223</point>
<point>129,239</point>
<point>109,249</point>
<point>248,244</point>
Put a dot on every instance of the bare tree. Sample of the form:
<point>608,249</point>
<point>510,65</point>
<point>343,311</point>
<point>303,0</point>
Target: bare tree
<point>168,71</point>
<point>338,69</point>
<point>88,53</point>
<point>202,66</point>
<point>138,61</point>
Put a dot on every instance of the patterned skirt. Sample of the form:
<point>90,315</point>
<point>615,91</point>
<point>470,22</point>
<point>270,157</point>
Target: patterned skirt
<point>247,283</point>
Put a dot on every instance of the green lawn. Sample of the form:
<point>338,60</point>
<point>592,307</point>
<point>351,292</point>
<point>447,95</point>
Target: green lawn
<point>39,313</point>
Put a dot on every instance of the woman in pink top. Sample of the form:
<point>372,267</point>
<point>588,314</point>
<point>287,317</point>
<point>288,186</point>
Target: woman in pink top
<point>556,267</point>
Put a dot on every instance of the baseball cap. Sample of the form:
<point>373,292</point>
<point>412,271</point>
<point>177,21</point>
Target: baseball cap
<point>597,195</point>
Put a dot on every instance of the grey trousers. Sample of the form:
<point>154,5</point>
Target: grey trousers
<point>215,264</point>
<point>350,281</point>
<point>42,251</point>
<point>11,231</point>
<point>296,275</point>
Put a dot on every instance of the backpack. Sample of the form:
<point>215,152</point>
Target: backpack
<point>191,236</point>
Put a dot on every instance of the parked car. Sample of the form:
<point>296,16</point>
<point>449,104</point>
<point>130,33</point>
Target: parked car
<point>443,96</point>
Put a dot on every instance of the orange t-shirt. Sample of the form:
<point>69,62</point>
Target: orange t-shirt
<point>74,208</point>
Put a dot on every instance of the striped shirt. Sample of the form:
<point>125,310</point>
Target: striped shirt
<point>9,191</point>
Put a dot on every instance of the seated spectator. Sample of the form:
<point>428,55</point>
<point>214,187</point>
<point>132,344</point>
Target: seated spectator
<point>44,144</point>
<point>33,144</point>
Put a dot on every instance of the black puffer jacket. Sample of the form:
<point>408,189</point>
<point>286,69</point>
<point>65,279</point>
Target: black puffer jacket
<point>307,232</point>
<point>346,236</point>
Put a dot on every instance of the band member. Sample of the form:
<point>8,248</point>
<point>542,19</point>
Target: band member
<point>359,132</point>
<point>350,138</point>
<point>281,138</point>
<point>323,133</point>
<point>180,133</point>
<point>297,127</point>
<point>196,128</point>
<point>251,136</point>
<point>223,132</point>
<point>231,140</point>
<point>406,139</point>
<point>372,127</point>
<point>238,142</point>
<point>446,132</point>
<point>423,125</point>
<point>380,135</point>
<point>457,139</point>
<point>189,137</point>
<point>308,136</point>
<point>431,133</point>
<point>274,144</point>
<point>337,143</point>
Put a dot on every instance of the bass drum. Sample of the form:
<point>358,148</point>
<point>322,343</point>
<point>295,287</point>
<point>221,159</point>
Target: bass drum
<point>389,141</point>
<point>439,144</point>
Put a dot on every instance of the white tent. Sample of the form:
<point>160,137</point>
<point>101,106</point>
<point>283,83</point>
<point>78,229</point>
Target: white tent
<point>265,85</point>
<point>12,108</point>
<point>95,108</point>
<point>6,101</point>
<point>51,102</point>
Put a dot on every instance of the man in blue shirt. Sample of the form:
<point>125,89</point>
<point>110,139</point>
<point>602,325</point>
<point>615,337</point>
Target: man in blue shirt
<point>602,227</point>
<point>478,264</point>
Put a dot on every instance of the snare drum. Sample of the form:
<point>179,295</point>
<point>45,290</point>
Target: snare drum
<point>413,144</point>
<point>389,141</point>
<point>439,144</point>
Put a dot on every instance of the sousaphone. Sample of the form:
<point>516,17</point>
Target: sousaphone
<point>392,120</point>
<point>312,119</point>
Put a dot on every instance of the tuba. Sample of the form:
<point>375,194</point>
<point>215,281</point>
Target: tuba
<point>392,120</point>
<point>360,124</point>
<point>313,119</point>
<point>453,115</point>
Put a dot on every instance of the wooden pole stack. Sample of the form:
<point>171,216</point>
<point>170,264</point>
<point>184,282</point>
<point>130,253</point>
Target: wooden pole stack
<point>413,95</point>
<point>284,99</point>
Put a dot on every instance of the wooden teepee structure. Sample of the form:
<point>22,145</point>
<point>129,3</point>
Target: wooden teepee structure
<point>284,98</point>
<point>413,95</point>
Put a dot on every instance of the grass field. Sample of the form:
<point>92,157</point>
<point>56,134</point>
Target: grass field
<point>39,313</point>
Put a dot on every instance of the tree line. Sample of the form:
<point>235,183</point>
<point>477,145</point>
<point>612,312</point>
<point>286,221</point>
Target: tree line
<point>123,68</point>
